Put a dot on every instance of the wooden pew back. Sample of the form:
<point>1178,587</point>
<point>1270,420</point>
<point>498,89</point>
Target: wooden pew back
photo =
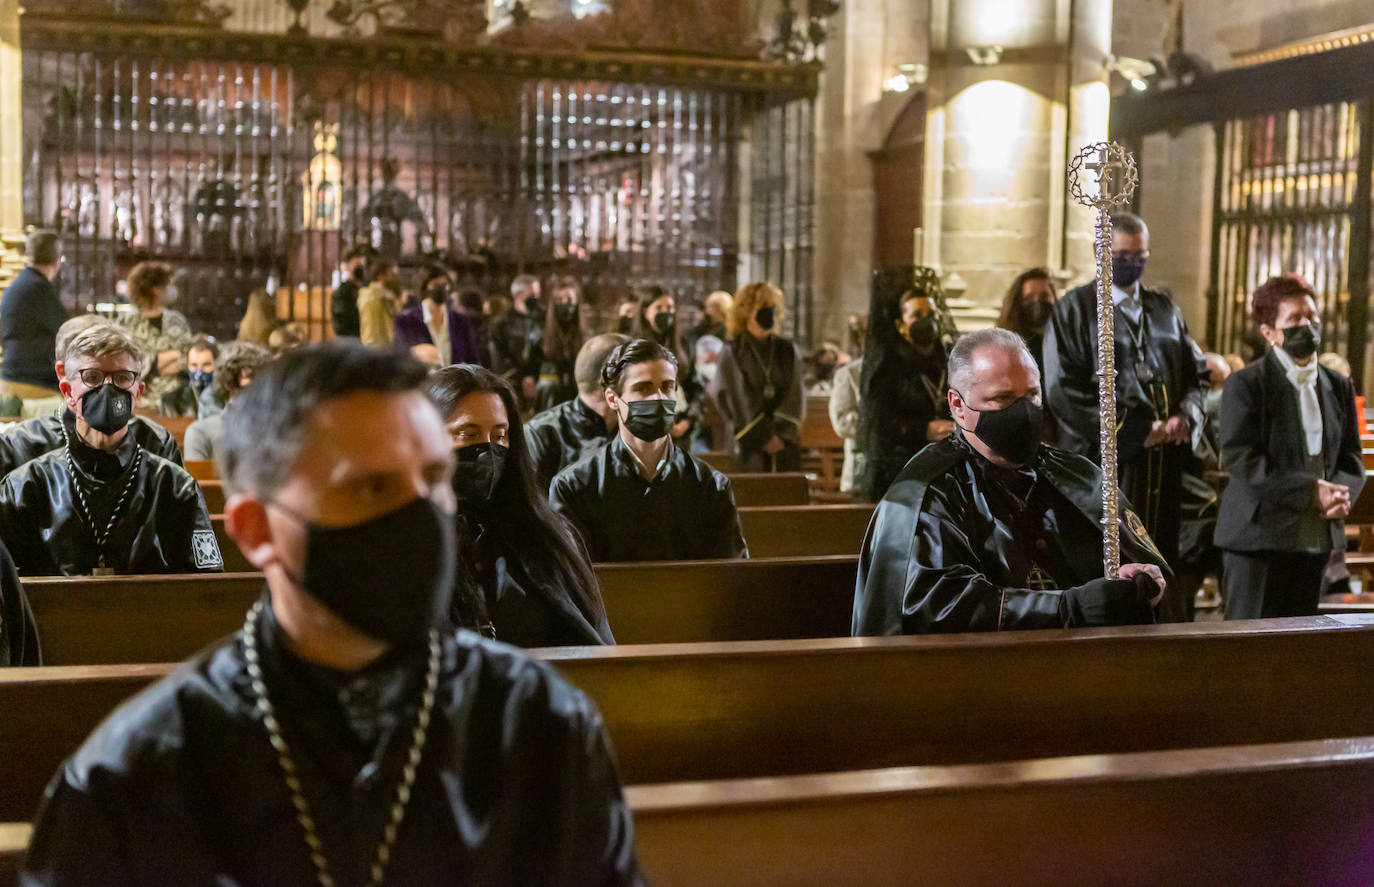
<point>128,619</point>
<point>722,711</point>
<point>1290,813</point>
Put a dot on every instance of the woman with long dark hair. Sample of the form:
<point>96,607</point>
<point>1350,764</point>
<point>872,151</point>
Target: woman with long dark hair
<point>564,333</point>
<point>902,402</point>
<point>1026,310</point>
<point>524,577</point>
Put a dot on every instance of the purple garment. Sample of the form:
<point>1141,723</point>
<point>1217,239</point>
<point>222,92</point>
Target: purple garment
<point>411,330</point>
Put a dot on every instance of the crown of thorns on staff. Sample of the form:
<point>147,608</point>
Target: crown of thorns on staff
<point>1111,168</point>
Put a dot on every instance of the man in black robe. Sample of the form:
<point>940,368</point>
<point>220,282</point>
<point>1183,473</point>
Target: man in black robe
<point>1160,383</point>
<point>18,633</point>
<point>576,429</point>
<point>27,440</point>
<point>343,302</point>
<point>340,736</point>
<point>516,339</point>
<point>990,530</point>
<point>642,497</point>
<point>102,503</point>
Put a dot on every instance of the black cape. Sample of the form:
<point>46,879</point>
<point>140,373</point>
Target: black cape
<point>935,559</point>
<point>563,436</point>
<point>163,526</point>
<point>31,438</point>
<point>687,512</point>
<point>18,632</point>
<point>1070,382</point>
<point>343,309</point>
<point>896,407</point>
<point>516,607</point>
<point>515,341</point>
<point>516,784</point>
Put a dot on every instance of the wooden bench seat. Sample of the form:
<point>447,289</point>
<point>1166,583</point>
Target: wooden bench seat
<point>1289,813</point>
<point>127,619</point>
<point>723,711</point>
<point>778,531</point>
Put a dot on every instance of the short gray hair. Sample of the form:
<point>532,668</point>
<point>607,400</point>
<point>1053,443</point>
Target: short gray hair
<point>101,340</point>
<point>522,283</point>
<point>961,355</point>
<point>69,329</point>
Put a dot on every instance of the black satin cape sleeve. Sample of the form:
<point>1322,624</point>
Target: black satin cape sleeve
<point>920,573</point>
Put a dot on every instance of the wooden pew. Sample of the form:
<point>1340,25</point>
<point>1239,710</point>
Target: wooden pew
<point>1282,813</point>
<point>776,531</point>
<point>202,470</point>
<point>1288,813</point>
<point>214,494</point>
<point>775,708</point>
<point>770,490</point>
<point>128,619</point>
<point>814,530</point>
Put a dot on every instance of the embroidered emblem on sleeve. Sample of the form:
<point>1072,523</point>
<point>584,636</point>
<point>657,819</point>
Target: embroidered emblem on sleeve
<point>205,550</point>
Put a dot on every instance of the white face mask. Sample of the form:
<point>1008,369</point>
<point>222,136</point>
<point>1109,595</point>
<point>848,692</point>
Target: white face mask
<point>707,371</point>
<point>171,295</point>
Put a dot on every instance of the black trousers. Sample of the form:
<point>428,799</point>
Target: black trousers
<point>1152,480</point>
<point>1264,584</point>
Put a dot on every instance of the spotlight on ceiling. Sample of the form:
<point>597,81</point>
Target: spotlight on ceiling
<point>984,55</point>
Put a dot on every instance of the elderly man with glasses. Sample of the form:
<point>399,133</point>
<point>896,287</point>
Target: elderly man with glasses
<point>102,504</point>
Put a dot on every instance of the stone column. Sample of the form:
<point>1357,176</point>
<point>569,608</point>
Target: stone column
<point>999,135</point>
<point>11,145</point>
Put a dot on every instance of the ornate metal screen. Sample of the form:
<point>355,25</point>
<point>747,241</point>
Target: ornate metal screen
<point>1287,193</point>
<point>256,161</point>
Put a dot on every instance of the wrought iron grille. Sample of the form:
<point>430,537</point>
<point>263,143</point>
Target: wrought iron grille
<point>1287,194</point>
<point>249,171</point>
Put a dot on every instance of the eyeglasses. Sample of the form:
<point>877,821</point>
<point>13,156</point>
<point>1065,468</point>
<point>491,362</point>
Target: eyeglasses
<point>94,378</point>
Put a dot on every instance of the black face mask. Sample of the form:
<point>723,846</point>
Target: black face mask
<point>1126,270</point>
<point>107,408</point>
<point>649,420</point>
<point>623,324</point>
<point>478,472</point>
<point>1035,315</point>
<point>924,331</point>
<point>390,577</point>
<point>565,313</point>
<point>664,321</point>
<point>532,304</point>
<point>1301,341</point>
<point>438,295</point>
<point>1012,432</point>
<point>765,317</point>
<point>360,275</point>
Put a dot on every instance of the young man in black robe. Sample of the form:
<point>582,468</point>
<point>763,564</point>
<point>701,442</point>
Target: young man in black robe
<point>102,503</point>
<point>642,497</point>
<point>27,440</point>
<point>576,429</point>
<point>1290,443</point>
<point>339,737</point>
<point>1160,383</point>
<point>990,530</point>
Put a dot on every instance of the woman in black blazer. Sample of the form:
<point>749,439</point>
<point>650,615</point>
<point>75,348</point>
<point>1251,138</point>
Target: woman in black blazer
<point>1290,446</point>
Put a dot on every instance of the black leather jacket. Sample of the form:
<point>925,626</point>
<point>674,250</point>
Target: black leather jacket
<point>18,633</point>
<point>32,438</point>
<point>687,512</point>
<point>941,557</point>
<point>516,784</point>
<point>563,436</point>
<point>162,526</point>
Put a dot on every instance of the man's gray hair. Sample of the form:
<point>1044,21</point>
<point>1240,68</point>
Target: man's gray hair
<point>522,283</point>
<point>100,340</point>
<point>69,329</point>
<point>961,355</point>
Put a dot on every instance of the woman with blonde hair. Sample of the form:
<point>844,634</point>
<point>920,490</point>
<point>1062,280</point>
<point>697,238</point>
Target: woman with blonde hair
<point>758,387</point>
<point>162,334</point>
<point>260,319</point>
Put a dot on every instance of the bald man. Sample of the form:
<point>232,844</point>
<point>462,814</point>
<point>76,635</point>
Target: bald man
<point>576,429</point>
<point>991,530</point>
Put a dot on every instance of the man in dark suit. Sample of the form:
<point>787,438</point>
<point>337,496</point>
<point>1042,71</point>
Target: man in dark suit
<point>433,322</point>
<point>1290,445</point>
<point>30,313</point>
<point>343,302</point>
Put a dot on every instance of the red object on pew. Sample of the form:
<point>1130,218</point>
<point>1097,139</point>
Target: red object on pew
<point>1359,411</point>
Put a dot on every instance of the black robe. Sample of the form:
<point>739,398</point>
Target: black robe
<point>740,391</point>
<point>687,512</point>
<point>938,558</point>
<point>343,309</point>
<point>517,607</point>
<point>18,633</point>
<point>516,784</point>
<point>31,438</point>
<point>896,407</point>
<point>163,526</point>
<point>1151,478</point>
<point>515,341</point>
<point>563,436</point>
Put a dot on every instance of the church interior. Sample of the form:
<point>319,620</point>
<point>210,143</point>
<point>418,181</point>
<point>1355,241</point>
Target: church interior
<point>1152,212</point>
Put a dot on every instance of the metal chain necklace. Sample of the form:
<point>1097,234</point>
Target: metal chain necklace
<point>768,389</point>
<point>100,536</point>
<point>264,708</point>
